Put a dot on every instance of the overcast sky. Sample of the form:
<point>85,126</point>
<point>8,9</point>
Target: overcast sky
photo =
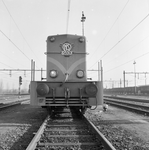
<point>117,33</point>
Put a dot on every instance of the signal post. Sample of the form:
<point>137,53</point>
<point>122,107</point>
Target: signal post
<point>20,83</point>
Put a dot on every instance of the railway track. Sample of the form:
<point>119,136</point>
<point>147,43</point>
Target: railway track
<point>3,106</point>
<point>67,130</point>
<point>130,99</point>
<point>138,105</point>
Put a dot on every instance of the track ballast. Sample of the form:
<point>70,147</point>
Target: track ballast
<point>68,130</point>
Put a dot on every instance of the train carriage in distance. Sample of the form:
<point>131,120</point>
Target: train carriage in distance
<point>66,82</point>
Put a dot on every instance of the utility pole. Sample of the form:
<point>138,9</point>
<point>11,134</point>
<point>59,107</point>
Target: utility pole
<point>99,70</point>
<point>32,70</point>
<point>134,77</point>
<point>124,78</point>
<point>135,73</point>
<point>120,83</point>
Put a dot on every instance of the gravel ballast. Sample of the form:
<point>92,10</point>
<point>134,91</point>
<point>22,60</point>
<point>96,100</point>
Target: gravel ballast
<point>18,125</point>
<point>124,129</point>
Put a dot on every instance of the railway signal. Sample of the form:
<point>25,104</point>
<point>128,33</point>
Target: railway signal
<point>83,18</point>
<point>20,83</point>
<point>20,80</point>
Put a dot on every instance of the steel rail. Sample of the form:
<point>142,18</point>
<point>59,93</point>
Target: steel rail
<point>105,142</point>
<point>127,103</point>
<point>12,104</point>
<point>36,140</point>
<point>130,106</point>
<point>134,99</point>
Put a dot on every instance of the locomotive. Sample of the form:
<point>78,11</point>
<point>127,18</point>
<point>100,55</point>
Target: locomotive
<point>66,82</point>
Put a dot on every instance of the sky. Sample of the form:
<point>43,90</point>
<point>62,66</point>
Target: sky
<point>117,33</point>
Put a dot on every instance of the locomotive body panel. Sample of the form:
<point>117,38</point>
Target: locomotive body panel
<point>66,83</point>
<point>66,55</point>
<point>68,92</point>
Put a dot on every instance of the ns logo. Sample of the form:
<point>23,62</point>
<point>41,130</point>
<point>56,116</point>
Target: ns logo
<point>66,49</point>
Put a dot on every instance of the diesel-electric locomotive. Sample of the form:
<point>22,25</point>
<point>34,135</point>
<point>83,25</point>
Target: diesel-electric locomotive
<point>66,83</point>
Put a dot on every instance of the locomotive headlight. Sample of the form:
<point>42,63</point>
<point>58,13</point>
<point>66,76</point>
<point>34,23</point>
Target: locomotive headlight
<point>91,89</point>
<point>80,73</point>
<point>53,73</point>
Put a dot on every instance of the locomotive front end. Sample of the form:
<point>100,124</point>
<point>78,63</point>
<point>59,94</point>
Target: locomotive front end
<point>66,83</point>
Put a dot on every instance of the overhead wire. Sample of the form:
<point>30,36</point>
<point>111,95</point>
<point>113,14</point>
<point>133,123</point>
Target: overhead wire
<point>122,38</point>
<point>6,65</point>
<point>14,76</point>
<point>19,30</point>
<point>109,30</point>
<point>15,45</point>
<point>12,59</point>
<point>128,61</point>
<point>129,49</point>
<point>125,36</point>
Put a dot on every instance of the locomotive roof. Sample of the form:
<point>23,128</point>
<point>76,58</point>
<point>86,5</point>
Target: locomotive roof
<point>67,35</point>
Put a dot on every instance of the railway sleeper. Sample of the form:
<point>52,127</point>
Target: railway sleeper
<point>67,144</point>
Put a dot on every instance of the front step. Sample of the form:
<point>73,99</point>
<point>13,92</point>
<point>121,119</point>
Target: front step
<point>65,102</point>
